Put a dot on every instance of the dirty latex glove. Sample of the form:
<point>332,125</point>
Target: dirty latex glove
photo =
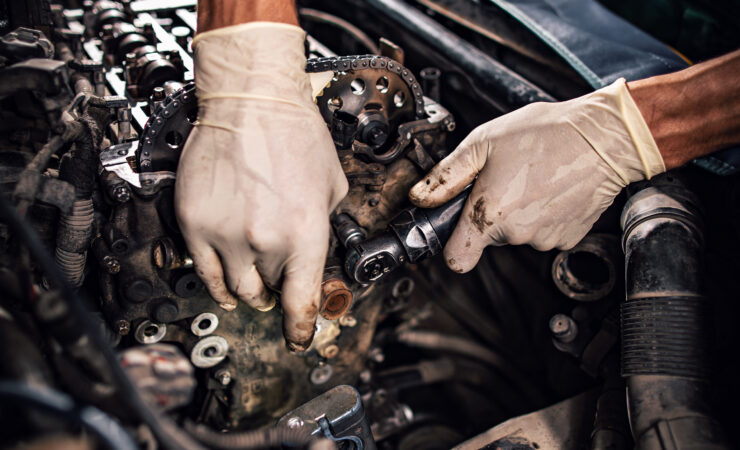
<point>259,174</point>
<point>545,172</point>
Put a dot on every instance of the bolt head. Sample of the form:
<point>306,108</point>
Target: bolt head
<point>121,194</point>
<point>295,422</point>
<point>111,264</point>
<point>224,377</point>
<point>123,327</point>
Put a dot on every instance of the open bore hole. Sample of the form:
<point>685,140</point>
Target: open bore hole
<point>382,84</point>
<point>588,268</point>
<point>357,86</point>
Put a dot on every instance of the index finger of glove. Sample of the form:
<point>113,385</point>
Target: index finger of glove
<point>301,297</point>
<point>451,175</point>
<point>476,229</point>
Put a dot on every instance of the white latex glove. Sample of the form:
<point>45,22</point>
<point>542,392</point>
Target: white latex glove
<point>259,174</point>
<point>546,172</point>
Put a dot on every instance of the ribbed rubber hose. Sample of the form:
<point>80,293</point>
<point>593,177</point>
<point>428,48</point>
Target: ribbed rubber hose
<point>665,322</point>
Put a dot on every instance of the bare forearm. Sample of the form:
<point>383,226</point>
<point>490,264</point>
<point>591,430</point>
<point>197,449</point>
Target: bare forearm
<point>693,112</point>
<point>214,14</point>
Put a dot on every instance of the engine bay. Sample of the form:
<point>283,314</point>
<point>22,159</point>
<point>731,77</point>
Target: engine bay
<point>97,101</point>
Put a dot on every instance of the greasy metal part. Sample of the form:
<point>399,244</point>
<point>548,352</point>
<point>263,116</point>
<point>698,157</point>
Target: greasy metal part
<point>25,43</point>
<point>558,426</point>
<point>148,332</point>
<point>496,78</point>
<point>338,411</point>
<point>347,230</point>
<point>166,255</point>
<point>167,130</point>
<point>390,49</point>
<point>119,160</point>
<point>209,351</point>
<point>588,271</point>
<point>336,298</point>
<point>375,91</point>
<point>611,427</point>
<point>404,92</point>
<point>430,80</point>
<point>415,234</point>
<point>665,321</point>
<point>204,324</point>
<point>563,328</point>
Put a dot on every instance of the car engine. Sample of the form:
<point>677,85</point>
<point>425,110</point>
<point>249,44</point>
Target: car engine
<point>110,339</point>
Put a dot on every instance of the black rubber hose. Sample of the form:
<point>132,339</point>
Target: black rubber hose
<point>275,437</point>
<point>496,78</point>
<point>164,430</point>
<point>324,17</point>
<point>75,230</point>
<point>665,322</point>
<point>103,426</point>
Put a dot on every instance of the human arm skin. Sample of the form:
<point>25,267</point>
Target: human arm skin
<point>214,14</point>
<point>547,171</point>
<point>693,112</point>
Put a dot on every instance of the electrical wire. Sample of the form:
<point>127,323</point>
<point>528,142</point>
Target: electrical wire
<point>103,426</point>
<point>166,432</point>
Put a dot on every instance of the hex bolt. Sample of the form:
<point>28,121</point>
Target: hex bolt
<point>111,264</point>
<point>295,422</point>
<point>123,327</point>
<point>563,328</point>
<point>121,193</point>
<point>223,376</point>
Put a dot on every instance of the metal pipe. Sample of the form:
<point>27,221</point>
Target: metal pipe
<point>323,17</point>
<point>501,81</point>
<point>665,322</point>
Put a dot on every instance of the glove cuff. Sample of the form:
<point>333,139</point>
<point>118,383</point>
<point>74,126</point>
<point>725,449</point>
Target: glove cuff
<point>645,146</point>
<point>257,60</point>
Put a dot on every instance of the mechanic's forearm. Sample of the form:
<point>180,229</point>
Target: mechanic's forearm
<point>693,112</point>
<point>214,14</point>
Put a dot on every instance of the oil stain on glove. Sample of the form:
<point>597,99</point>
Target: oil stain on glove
<point>546,172</point>
<point>259,175</point>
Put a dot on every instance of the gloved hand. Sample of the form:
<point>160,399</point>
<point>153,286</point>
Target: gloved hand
<point>259,174</point>
<point>546,172</point>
